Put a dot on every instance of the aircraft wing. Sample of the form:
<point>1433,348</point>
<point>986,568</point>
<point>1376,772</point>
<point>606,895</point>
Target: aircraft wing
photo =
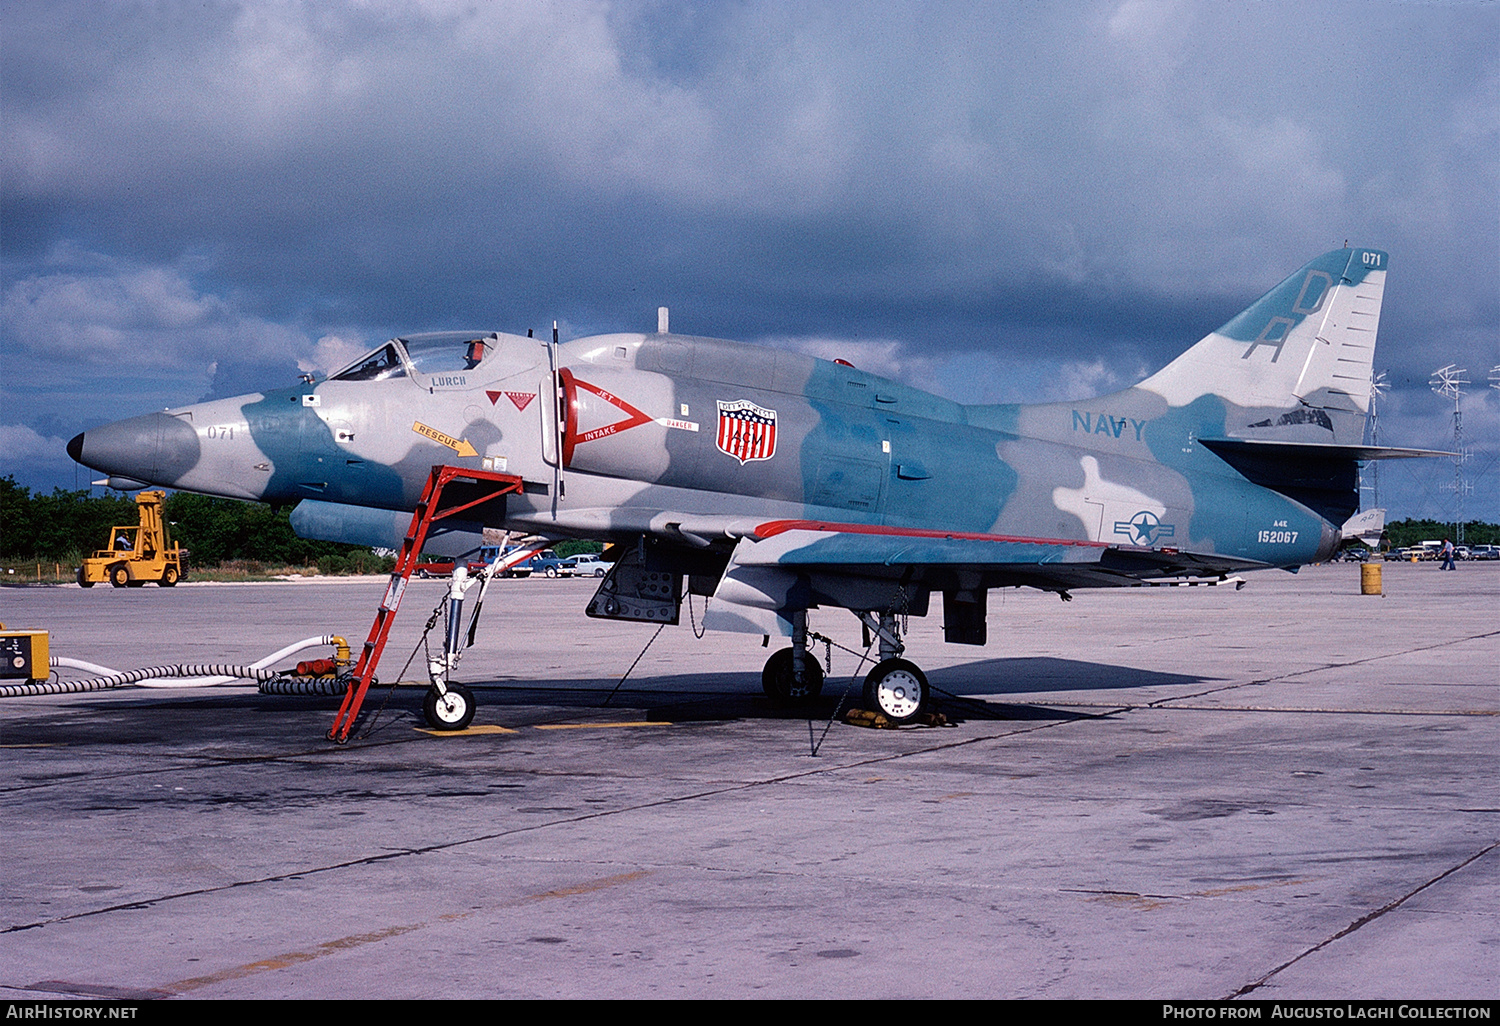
<point>1315,450</point>
<point>937,555</point>
<point>860,566</point>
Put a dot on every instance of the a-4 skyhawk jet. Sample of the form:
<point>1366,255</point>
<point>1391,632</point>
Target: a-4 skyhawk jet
<point>775,483</point>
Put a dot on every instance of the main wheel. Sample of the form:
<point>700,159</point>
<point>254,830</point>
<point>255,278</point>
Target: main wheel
<point>779,685</point>
<point>898,689</point>
<point>83,579</point>
<point>449,711</point>
<point>119,577</point>
<point>168,577</point>
<point>551,571</point>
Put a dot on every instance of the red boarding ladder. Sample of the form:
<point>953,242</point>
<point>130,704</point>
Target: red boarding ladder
<point>471,488</point>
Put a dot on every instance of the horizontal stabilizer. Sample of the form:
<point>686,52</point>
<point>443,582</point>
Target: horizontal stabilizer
<point>1367,527</point>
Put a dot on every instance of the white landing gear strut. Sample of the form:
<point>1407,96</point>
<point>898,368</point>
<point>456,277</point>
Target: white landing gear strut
<point>449,705</point>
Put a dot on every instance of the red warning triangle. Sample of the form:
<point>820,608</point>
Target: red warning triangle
<point>520,399</point>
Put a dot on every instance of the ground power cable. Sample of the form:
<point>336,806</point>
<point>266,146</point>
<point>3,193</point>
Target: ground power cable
<point>173,676</point>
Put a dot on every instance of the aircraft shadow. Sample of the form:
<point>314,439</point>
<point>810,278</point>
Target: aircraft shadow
<point>1029,675</point>
<point>728,696</point>
<point>709,697</point>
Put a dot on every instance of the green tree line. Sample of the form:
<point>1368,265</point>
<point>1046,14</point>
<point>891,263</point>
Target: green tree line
<point>1403,533</point>
<point>68,525</point>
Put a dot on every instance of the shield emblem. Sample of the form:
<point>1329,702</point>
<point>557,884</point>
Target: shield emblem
<point>746,431</point>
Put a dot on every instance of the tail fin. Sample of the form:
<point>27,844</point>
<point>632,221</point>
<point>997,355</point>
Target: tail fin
<point>1297,362</point>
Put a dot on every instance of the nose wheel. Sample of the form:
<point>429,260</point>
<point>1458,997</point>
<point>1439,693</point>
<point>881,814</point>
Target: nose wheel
<point>451,710</point>
<point>898,689</point>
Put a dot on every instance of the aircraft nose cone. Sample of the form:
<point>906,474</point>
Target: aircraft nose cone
<point>156,448</point>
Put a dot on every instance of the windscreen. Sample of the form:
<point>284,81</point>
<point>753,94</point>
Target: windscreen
<point>383,363</point>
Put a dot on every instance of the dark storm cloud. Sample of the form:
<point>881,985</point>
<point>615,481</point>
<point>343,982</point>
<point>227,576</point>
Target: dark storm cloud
<point>1058,193</point>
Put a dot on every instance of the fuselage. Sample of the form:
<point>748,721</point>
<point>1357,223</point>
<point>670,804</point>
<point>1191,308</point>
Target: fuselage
<point>659,432</point>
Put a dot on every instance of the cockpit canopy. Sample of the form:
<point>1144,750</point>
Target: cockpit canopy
<point>436,352</point>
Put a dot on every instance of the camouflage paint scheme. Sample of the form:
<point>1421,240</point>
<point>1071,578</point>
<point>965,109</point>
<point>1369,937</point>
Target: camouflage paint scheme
<point>778,483</point>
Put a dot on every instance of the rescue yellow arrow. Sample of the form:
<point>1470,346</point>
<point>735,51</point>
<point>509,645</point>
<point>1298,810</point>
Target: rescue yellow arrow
<point>458,445</point>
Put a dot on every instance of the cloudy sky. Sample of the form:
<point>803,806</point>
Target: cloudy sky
<point>998,201</point>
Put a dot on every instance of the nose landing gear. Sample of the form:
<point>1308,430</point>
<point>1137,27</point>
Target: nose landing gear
<point>449,709</point>
<point>450,706</point>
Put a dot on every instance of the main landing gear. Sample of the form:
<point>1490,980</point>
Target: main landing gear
<point>896,688</point>
<point>791,676</point>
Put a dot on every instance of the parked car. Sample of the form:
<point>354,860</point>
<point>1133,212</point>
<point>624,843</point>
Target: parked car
<point>587,564</point>
<point>439,567</point>
<point>1485,552</point>
<point>547,563</point>
<point>442,566</point>
<point>487,556</point>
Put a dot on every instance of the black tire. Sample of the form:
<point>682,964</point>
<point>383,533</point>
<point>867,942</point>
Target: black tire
<point>598,573</point>
<point>776,679</point>
<point>168,577</point>
<point>551,571</point>
<point>453,711</point>
<point>119,577</point>
<point>83,580</point>
<point>897,689</point>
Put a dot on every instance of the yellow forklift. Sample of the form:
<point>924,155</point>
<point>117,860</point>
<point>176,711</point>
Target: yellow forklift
<point>138,552</point>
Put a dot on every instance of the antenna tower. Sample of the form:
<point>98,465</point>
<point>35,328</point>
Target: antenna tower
<point>1378,387</point>
<point>1448,382</point>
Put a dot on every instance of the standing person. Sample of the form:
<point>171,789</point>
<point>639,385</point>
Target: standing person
<point>1447,555</point>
